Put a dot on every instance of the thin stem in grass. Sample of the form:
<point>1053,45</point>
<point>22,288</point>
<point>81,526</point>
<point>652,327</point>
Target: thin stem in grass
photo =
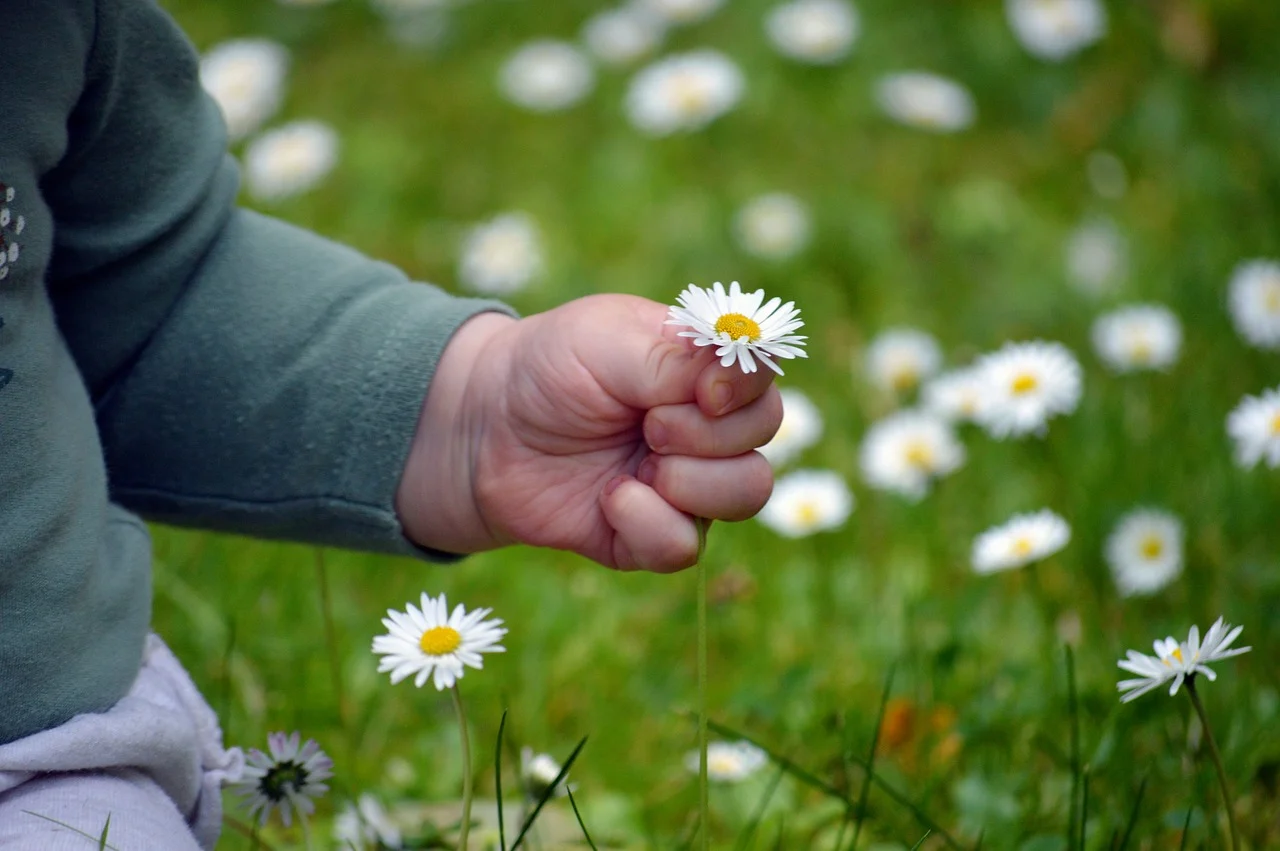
<point>1133,815</point>
<point>865,794</point>
<point>335,664</point>
<point>465,828</point>
<point>1186,830</point>
<point>1073,710</point>
<point>744,841</point>
<point>704,799</point>
<point>1084,807</point>
<point>920,841</point>
<point>102,839</point>
<point>306,829</point>
<point>547,793</point>
<point>1217,761</point>
<point>581,824</point>
<point>497,782</point>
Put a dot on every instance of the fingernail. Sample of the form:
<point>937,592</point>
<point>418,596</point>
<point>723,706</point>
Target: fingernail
<point>721,396</point>
<point>648,470</point>
<point>612,485</point>
<point>655,434</point>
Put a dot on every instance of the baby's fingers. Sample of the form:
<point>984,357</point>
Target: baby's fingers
<point>686,430</point>
<point>715,488</point>
<point>649,534</point>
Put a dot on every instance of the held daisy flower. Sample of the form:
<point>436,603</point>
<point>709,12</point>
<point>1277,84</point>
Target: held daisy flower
<point>819,32</point>
<point>807,501</point>
<point>287,778</point>
<point>684,92</point>
<point>926,101</point>
<point>728,762</point>
<point>899,358</point>
<point>1056,29</point>
<point>1255,427</point>
<point>906,451</point>
<point>501,256</point>
<point>546,76</point>
<point>1178,662</point>
<point>742,328</point>
<point>429,642</point>
<point>246,79</point>
<point>1142,336</point>
<point>773,226</point>
<point>801,427</point>
<point>1145,552</point>
<point>1025,384</point>
<point>1024,539</point>
<point>956,395</point>
<point>289,160</point>
<point>1254,299</point>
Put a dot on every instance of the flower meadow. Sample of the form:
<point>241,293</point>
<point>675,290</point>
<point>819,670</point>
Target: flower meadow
<point>1018,583</point>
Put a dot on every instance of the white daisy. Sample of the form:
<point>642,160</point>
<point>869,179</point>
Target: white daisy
<point>1056,29</point>
<point>246,79</point>
<point>501,256</point>
<point>815,31</point>
<point>955,395</point>
<point>683,92</point>
<point>1024,385</point>
<point>289,160</point>
<point>1142,336</point>
<point>1254,299</point>
<point>1178,661</point>
<point>774,226</point>
<point>927,101</point>
<point>1024,539</point>
<point>623,35</point>
<point>742,328</point>
<point>538,771</point>
<point>728,762</point>
<point>1145,552</point>
<point>906,451</point>
<point>807,501</point>
<point>1096,257</point>
<point>546,76</point>
<point>898,359</point>
<point>365,825</point>
<point>680,11</point>
<point>801,428</point>
<point>287,778</point>
<point>429,642</point>
<point>1255,427</point>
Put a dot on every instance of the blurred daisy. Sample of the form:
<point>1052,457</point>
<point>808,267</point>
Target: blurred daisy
<point>906,451</point>
<point>287,778</point>
<point>1255,427</point>
<point>1254,299</point>
<point>365,825</point>
<point>501,256</point>
<point>246,79</point>
<point>815,31</point>
<point>623,35</point>
<point>1024,539</point>
<point>728,762</point>
<point>807,501</point>
<point>680,11</point>
<point>742,328</point>
<point>1024,385</point>
<point>927,101</point>
<point>546,76</point>
<point>1145,552</point>
<point>1095,257</point>
<point>1143,336</point>
<point>1179,661</point>
<point>801,427</point>
<point>538,771</point>
<point>955,395</point>
<point>900,358</point>
<point>773,226</point>
<point>683,92</point>
<point>1107,175</point>
<point>1056,29</point>
<point>289,160</point>
<point>429,642</point>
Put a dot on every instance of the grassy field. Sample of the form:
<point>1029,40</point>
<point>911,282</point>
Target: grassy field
<point>961,235</point>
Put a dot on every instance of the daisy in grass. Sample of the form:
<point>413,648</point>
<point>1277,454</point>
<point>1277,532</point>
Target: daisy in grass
<point>801,428</point>
<point>728,762</point>
<point>1024,539</point>
<point>289,160</point>
<point>501,256</point>
<point>285,779</point>
<point>807,501</point>
<point>1056,29</point>
<point>680,11</point>
<point>906,451</point>
<point>773,226</point>
<point>546,76</point>
<point>623,35</point>
<point>1255,427</point>
<point>926,101</point>
<point>245,77</point>
<point>430,643</point>
<point>1179,661</point>
<point>1254,299</point>
<point>684,92</point>
<point>1145,552</point>
<point>365,825</point>
<point>820,32</point>
<point>1024,385</point>
<point>899,358</point>
<point>955,395</point>
<point>1096,257</point>
<point>742,328</point>
<point>1142,336</point>
<point>538,771</point>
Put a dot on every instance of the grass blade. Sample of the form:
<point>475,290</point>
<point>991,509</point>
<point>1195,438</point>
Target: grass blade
<point>1133,814</point>
<point>547,793</point>
<point>1186,831</point>
<point>1074,713</point>
<point>758,815</point>
<point>782,829</point>
<point>497,781</point>
<point>106,828</point>
<point>1084,806</point>
<point>578,816</point>
<point>102,841</point>
<point>865,794</point>
<point>921,841</point>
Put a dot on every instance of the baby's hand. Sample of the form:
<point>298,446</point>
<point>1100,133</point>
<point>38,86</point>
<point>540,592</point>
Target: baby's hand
<point>590,428</point>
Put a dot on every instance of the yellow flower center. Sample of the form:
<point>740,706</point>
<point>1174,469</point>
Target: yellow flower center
<point>1024,384</point>
<point>919,455</point>
<point>1275,425</point>
<point>722,764</point>
<point>738,326</point>
<point>807,514</point>
<point>1022,547</point>
<point>440,641</point>
<point>1271,299</point>
<point>1140,350</point>
<point>904,377</point>
<point>1151,547</point>
<point>689,94</point>
<point>1176,654</point>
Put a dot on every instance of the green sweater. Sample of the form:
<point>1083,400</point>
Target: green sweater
<point>166,353</point>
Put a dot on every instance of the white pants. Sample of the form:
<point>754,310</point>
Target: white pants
<point>154,763</point>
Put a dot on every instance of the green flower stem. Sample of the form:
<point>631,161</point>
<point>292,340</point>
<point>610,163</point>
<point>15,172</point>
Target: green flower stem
<point>704,806</point>
<point>306,830</point>
<point>466,770</point>
<point>1217,761</point>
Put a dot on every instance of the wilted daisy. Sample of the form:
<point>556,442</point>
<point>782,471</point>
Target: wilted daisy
<point>1024,539</point>
<point>742,329</point>
<point>429,642</point>
<point>289,160</point>
<point>906,451</point>
<point>1024,385</point>
<point>801,427</point>
<point>1255,427</point>
<point>1179,661</point>
<point>774,226</point>
<point>246,79</point>
<point>623,35</point>
<point>728,762</point>
<point>955,395</point>
<point>683,92</point>
<point>538,771</point>
<point>900,358</point>
<point>287,778</point>
<point>1095,257</point>
<point>501,256</point>
<point>546,76</point>
<point>816,31</point>
<point>1145,552</point>
<point>680,11</point>
<point>365,824</point>
<point>924,100</point>
<point>1056,29</point>
<point>807,501</point>
<point>1254,299</point>
<point>1142,336</point>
